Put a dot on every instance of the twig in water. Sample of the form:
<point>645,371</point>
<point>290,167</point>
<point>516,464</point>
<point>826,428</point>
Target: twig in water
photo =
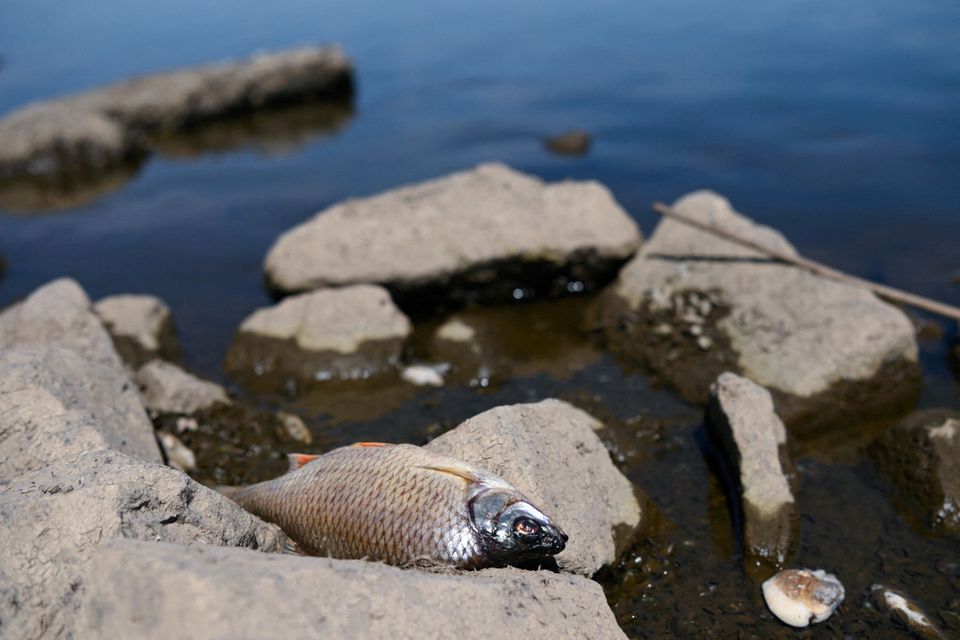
<point>890,293</point>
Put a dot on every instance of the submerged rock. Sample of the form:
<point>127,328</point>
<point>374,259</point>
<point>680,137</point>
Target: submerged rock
<point>349,333</point>
<point>489,232</point>
<point>691,305</point>
<point>53,519</point>
<point>178,455</point>
<point>141,327</point>
<point>166,388</point>
<point>741,415</point>
<point>93,131</point>
<point>922,456</point>
<point>137,590</point>
<point>800,597</point>
<point>905,611</point>
<point>550,451</point>
<point>572,143</point>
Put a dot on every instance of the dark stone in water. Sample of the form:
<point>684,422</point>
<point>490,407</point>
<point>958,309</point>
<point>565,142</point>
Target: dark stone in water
<point>571,143</point>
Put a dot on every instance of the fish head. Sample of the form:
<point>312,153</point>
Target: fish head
<point>511,528</point>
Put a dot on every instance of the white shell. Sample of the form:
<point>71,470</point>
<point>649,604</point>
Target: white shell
<point>801,596</point>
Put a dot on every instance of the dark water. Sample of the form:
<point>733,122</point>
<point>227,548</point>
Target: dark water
<point>838,123</point>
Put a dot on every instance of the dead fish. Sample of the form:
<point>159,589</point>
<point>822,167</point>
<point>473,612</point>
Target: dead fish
<point>403,505</point>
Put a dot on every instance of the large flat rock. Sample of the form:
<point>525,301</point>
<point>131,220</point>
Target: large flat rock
<point>137,590</point>
<point>691,306</point>
<point>487,232</point>
<point>53,519</point>
<point>96,130</point>
<point>550,451</point>
<point>345,333</point>
<point>740,414</point>
<point>56,403</point>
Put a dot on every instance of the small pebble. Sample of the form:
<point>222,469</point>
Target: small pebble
<point>800,597</point>
<point>179,456</point>
<point>906,611</point>
<point>294,427</point>
<point>423,375</point>
<point>573,143</point>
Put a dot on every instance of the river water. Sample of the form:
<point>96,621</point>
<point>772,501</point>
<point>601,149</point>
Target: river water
<point>837,123</point>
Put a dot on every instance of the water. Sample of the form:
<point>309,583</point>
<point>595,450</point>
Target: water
<point>837,123</point>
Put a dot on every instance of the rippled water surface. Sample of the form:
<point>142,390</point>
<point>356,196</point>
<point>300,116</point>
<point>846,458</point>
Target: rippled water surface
<point>837,123</point>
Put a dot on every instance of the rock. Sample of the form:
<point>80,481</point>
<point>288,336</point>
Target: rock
<point>905,611</point>
<point>55,402</point>
<point>825,349</point>
<point>294,427</point>
<point>52,520</point>
<point>166,388</point>
<point>921,455</point>
<point>571,143</point>
<point>164,591</point>
<point>489,232</point>
<point>550,451</point>
<point>93,131</point>
<point>141,327</point>
<point>349,333</point>
<point>740,413</point>
<point>59,313</point>
<point>423,375</point>
<point>800,597</point>
<point>178,455</point>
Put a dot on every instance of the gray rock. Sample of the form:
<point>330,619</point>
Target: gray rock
<point>178,455</point>
<point>819,345</point>
<point>55,403</point>
<point>166,388</point>
<point>141,327</point>
<point>550,451</point>
<point>348,333</point>
<point>137,590</point>
<point>53,519</point>
<point>486,232</point>
<point>94,131</point>
<point>59,313</point>
<point>922,456</point>
<point>741,415</point>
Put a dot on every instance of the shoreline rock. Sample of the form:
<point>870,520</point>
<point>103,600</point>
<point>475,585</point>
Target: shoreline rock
<point>91,132</point>
<point>550,451</point>
<point>489,233</point>
<point>740,414</point>
<point>166,388</point>
<point>691,306</point>
<point>141,327</point>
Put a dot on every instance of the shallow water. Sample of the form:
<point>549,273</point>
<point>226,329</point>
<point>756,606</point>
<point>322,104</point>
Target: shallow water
<point>837,124</point>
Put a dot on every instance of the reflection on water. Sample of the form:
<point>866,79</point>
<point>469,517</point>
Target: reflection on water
<point>25,196</point>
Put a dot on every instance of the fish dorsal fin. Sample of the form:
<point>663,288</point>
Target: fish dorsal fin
<point>370,444</point>
<point>297,460</point>
<point>467,475</point>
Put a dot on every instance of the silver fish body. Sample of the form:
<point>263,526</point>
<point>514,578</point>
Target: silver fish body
<point>403,505</point>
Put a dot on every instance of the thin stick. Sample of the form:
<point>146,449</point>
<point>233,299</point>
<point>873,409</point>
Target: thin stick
<point>890,293</point>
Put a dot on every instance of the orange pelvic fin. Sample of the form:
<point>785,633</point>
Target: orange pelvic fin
<point>369,444</point>
<point>297,460</point>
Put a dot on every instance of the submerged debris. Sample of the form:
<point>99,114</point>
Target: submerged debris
<point>907,612</point>
<point>800,597</point>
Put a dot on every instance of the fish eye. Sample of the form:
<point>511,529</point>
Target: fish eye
<point>526,527</point>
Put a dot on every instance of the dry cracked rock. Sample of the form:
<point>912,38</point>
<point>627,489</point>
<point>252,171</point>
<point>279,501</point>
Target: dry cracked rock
<point>692,305</point>
<point>346,333</point>
<point>55,403</point>
<point>94,131</point>
<point>740,413</point>
<point>165,591</point>
<point>489,232</point>
<point>921,455</point>
<point>550,451</point>
<point>53,519</point>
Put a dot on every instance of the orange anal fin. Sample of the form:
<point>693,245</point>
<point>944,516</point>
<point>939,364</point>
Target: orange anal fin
<point>370,444</point>
<point>297,460</point>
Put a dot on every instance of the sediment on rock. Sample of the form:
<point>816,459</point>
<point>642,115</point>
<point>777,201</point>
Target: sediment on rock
<point>740,414</point>
<point>486,233</point>
<point>102,128</point>
<point>345,334</point>
<point>921,456</point>
<point>160,591</point>
<point>550,451</point>
<point>690,306</point>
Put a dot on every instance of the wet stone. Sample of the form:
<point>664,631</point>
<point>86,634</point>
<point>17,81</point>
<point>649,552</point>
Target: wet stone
<point>141,327</point>
<point>921,455</point>
<point>826,350</point>
<point>489,233</point>
<point>741,415</point>
<point>907,613</point>
<point>800,597</point>
<point>572,143</point>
